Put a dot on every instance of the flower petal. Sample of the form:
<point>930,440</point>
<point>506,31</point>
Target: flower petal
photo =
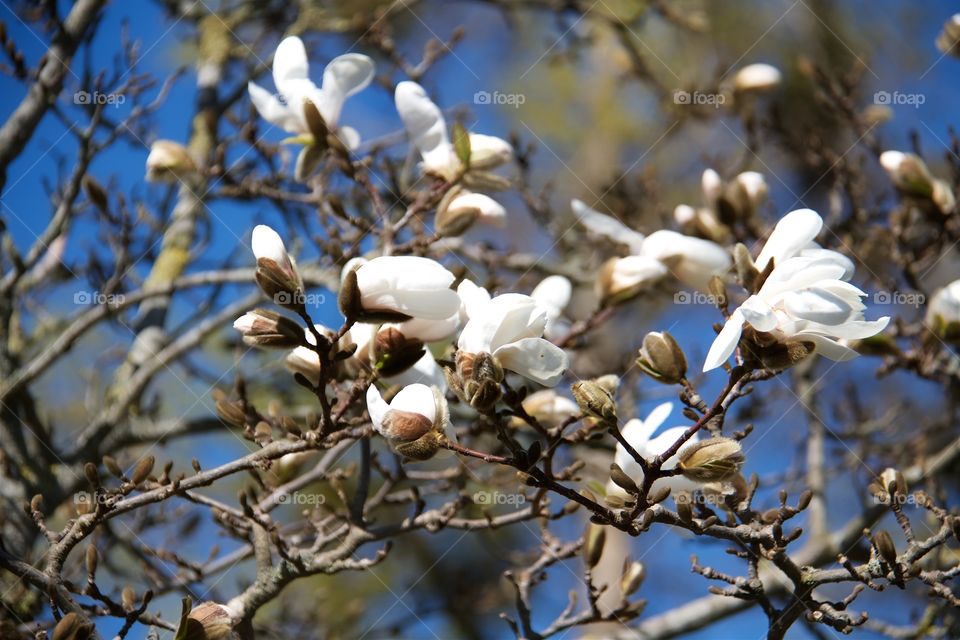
<point>794,232</point>
<point>413,285</point>
<point>534,358</point>
<point>607,226</point>
<point>725,343</point>
<point>416,398</point>
<point>271,109</point>
<point>290,63</point>
<point>424,124</point>
<point>377,407</point>
<point>343,77</point>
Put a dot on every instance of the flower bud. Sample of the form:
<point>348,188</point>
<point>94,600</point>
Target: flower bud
<point>263,328</point>
<point>72,627</point>
<point>885,547</point>
<point>550,408</point>
<point>394,353</point>
<point>489,152</point>
<point>480,376</point>
<point>949,38</point>
<point>943,197</point>
<point>662,358</point>
<point>623,278</point>
<point>415,422</point>
<point>894,484</point>
<point>631,577</point>
<point>169,161</point>
<point>306,362</point>
<point>276,272</point>
<point>464,208</point>
<point>622,480</point>
<point>757,77</point>
<point>594,540</point>
<point>595,401</point>
<point>908,173</point>
<point>142,471</point>
<point>711,460</point>
<point>213,622</point>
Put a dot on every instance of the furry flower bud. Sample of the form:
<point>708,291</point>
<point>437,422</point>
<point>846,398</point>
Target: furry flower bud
<point>711,460</point>
<point>662,358</point>
<point>595,400</point>
<point>264,328</point>
<point>169,161</point>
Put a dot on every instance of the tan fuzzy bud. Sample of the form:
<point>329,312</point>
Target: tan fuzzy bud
<point>214,622</point>
<point>622,480</point>
<point>169,161</point>
<point>480,376</point>
<point>949,39</point>
<point>711,460</point>
<point>36,503</point>
<point>405,426</point>
<point>595,401</point>
<point>394,353</point>
<point>885,547</point>
<point>96,192</point>
<point>594,540</point>
<point>451,220</point>
<point>91,559</point>
<point>894,484</point>
<point>281,283</point>
<point>91,473</point>
<point>943,197</point>
<point>631,577</point>
<point>422,448</point>
<point>747,271</point>
<point>111,465</point>
<point>128,598</point>
<point>142,471</point>
<point>231,412</point>
<point>908,172</point>
<point>72,627</point>
<point>662,358</point>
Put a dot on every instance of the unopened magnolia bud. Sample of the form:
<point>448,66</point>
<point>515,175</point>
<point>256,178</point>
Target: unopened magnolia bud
<point>660,494</point>
<point>91,473</point>
<point>593,543</point>
<point>265,328</point>
<point>128,598</point>
<point>632,577</point>
<point>36,503</point>
<point>885,547</point>
<point>894,483</point>
<point>489,152</point>
<point>908,173</point>
<point>662,359</point>
<point>595,401</point>
<point>757,77</point>
<point>142,471</point>
<point>620,279</point>
<point>215,622</point>
<point>949,38</point>
<point>169,161</point>
<point>111,465</point>
<point>423,448</point>
<point>622,480</point>
<point>456,215</point>
<point>231,413</point>
<point>96,192</point>
<point>711,460</point>
<point>72,627</point>
<point>394,353</point>
<point>480,377</point>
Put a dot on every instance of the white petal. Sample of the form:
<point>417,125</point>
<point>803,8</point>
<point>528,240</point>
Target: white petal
<point>607,226</point>
<point>424,124</point>
<point>711,185</point>
<point>725,343</point>
<point>793,233</point>
<point>290,63</point>
<point>757,77</point>
<point>502,320</point>
<point>343,77</point>
<point>490,211</point>
<point>424,371</point>
<point>700,259</point>
<point>488,152</point>
<point>267,243</point>
<point>553,293</point>
<point>272,110</point>
<point>413,285</point>
<point>304,361</point>
<point>350,137</point>
<point>472,299</point>
<point>816,305</point>
<point>430,330</point>
<point>534,358</point>
<point>635,271</point>
<point>377,407</point>
<point>829,348</point>
<point>416,398</point>
<point>760,316</point>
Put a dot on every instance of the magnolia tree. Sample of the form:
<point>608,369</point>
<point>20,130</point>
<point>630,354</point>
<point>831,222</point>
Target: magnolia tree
<point>459,399</point>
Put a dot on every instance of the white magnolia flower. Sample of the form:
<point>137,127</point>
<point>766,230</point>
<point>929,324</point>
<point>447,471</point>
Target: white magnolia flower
<point>509,327</point>
<point>413,422</point>
<point>693,261</point>
<point>806,298</point>
<point>427,129</point>
<point>411,285</point>
<point>343,77</point>
<point>553,295</point>
<point>945,305</point>
<point>550,408</point>
<point>473,298</point>
<point>639,433</point>
<point>757,77</point>
<point>485,208</point>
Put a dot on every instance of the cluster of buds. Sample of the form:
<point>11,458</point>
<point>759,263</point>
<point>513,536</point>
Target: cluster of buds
<point>662,359</point>
<point>477,379</point>
<point>910,175</point>
<point>725,204</point>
